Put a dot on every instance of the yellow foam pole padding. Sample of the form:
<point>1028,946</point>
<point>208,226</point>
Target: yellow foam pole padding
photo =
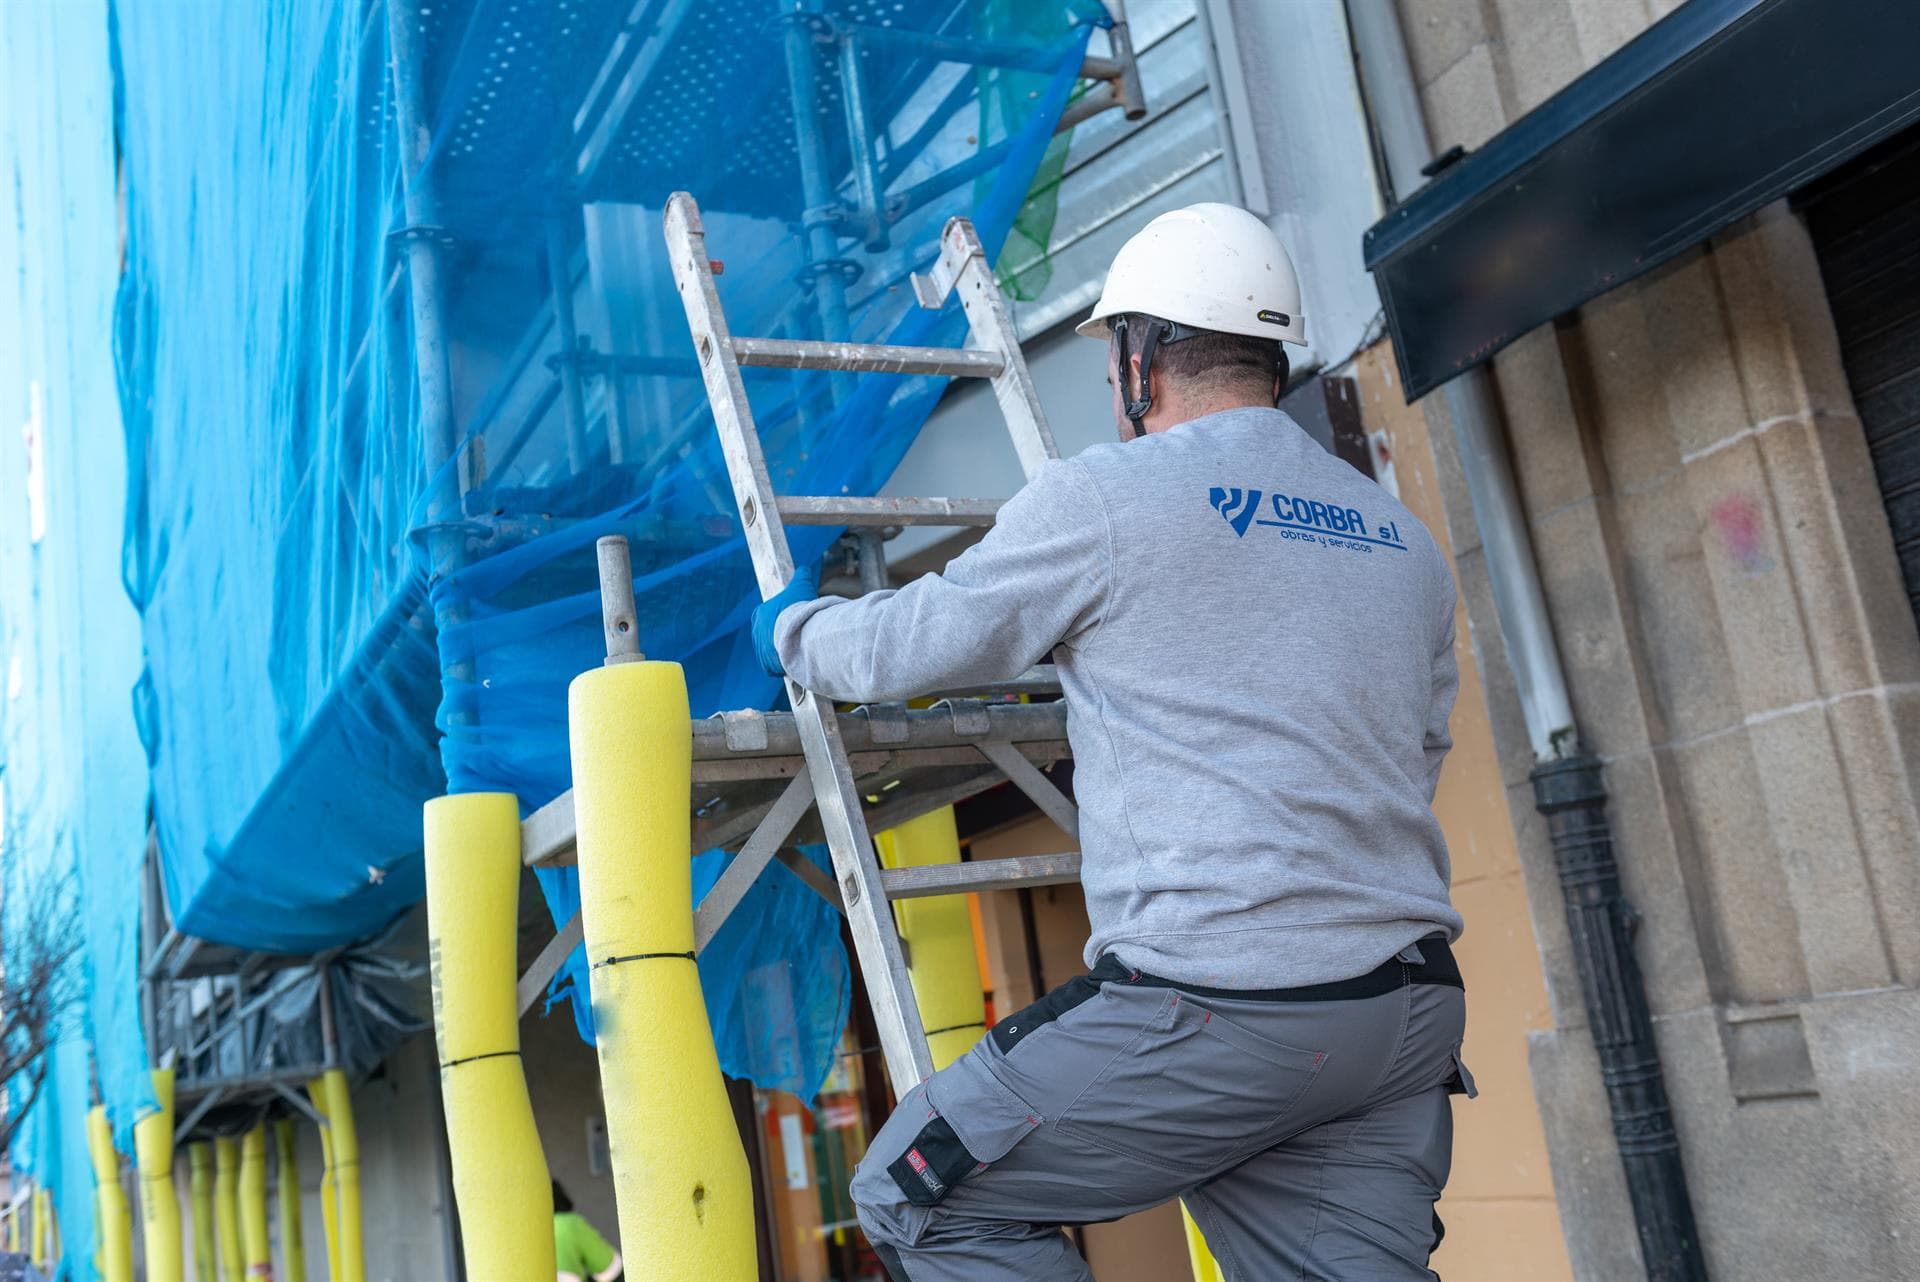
<point>200,1193</point>
<point>329,1214</point>
<point>500,1181</point>
<point>346,1178</point>
<point>110,1220</point>
<point>679,1172</point>
<point>159,1202</point>
<point>226,1208</point>
<point>938,932</point>
<point>42,1212</point>
<point>293,1242</point>
<point>255,1245</point>
<point>1205,1268</point>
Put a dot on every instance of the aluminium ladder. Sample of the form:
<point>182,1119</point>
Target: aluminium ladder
<point>866,892</point>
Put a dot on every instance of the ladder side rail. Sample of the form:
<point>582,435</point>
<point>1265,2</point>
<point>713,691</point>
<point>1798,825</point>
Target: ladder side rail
<point>753,492</point>
<point>896,1011</point>
<point>876,941</point>
<point>964,262</point>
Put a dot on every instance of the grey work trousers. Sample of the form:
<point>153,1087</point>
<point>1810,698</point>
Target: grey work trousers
<point>1310,1139</point>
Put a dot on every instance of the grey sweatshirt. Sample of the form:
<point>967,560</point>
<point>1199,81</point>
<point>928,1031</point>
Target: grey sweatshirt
<point>1256,646</point>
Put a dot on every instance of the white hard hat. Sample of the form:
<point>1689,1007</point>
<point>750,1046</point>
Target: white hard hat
<point>1209,266</point>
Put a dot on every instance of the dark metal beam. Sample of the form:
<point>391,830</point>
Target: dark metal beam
<point>1717,109</point>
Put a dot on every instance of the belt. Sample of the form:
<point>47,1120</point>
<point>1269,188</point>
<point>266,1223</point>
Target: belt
<point>1436,967</point>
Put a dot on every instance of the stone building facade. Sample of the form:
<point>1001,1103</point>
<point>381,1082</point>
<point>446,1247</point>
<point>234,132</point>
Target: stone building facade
<point>1727,600</point>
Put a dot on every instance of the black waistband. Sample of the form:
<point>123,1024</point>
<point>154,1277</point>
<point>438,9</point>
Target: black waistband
<point>1437,967</point>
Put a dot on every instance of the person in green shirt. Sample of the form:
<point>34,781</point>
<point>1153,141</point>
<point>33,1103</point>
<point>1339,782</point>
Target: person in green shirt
<point>579,1251</point>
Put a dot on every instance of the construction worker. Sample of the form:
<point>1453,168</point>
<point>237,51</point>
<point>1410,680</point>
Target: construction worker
<point>580,1253</point>
<point>1256,645</point>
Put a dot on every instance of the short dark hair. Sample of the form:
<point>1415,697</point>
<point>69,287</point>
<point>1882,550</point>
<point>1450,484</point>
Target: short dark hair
<point>1213,359</point>
<point>562,1204</point>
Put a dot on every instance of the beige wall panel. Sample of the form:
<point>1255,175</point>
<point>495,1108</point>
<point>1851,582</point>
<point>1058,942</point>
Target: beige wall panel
<point>1500,1210</point>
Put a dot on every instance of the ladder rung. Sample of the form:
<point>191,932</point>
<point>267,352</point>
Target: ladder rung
<point>869,358</point>
<point>812,510</point>
<point>985,874</point>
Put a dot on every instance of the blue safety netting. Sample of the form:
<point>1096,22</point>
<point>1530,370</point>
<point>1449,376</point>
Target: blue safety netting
<point>366,495</point>
<point>50,1150</point>
<point>73,782</point>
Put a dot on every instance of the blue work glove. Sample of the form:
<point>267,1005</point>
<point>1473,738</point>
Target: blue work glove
<point>804,586</point>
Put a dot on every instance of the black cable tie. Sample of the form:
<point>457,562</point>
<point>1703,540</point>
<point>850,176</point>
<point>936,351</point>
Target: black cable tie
<point>954,1028</point>
<point>455,1063</point>
<point>615,961</point>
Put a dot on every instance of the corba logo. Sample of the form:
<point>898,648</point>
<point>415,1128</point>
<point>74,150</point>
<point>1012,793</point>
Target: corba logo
<point>1308,520</point>
<point>1237,505</point>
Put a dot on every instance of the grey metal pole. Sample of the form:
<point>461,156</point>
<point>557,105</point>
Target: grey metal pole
<point>1129,91</point>
<point>1567,783</point>
<point>329,1037</point>
<point>425,239</point>
<point>1507,544</point>
<point>560,274</point>
<point>870,544</point>
<point>824,263</point>
<point>1380,47</point>
<point>619,615</point>
<point>816,185</point>
<point>150,951</point>
<point>866,164</point>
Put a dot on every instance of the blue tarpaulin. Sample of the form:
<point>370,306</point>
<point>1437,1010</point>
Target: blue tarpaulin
<point>73,780</point>
<point>238,595</point>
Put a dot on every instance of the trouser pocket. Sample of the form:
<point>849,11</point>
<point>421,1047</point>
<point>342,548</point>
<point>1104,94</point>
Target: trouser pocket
<point>945,1132</point>
<point>1461,1083</point>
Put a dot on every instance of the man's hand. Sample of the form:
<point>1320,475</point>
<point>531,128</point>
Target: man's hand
<point>804,586</point>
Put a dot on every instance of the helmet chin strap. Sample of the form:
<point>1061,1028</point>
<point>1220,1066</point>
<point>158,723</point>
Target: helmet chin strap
<point>1137,407</point>
<point>1158,332</point>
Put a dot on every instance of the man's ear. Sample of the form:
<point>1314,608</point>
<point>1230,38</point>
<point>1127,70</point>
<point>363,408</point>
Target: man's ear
<point>1133,376</point>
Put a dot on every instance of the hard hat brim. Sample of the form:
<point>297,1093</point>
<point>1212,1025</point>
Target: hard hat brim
<point>1094,326</point>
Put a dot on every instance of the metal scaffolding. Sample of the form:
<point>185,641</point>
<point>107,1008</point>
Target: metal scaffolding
<point>750,775</point>
<point>206,1007</point>
<point>205,1011</point>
